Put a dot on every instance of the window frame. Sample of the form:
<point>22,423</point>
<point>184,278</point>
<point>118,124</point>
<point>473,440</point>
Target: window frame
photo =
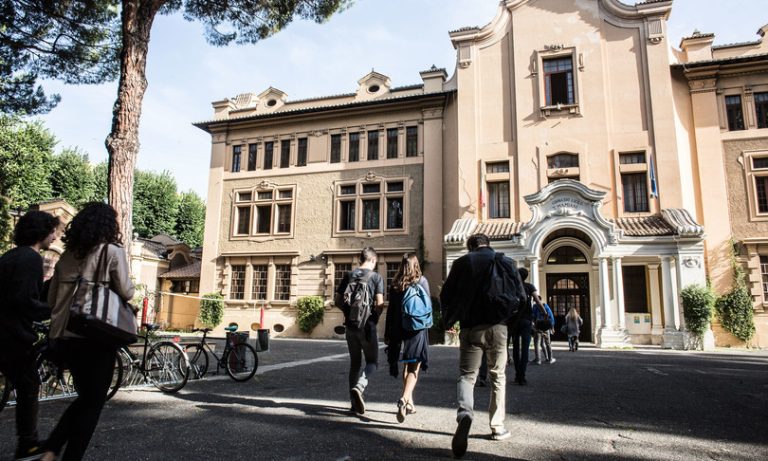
<point>255,203</point>
<point>383,196</point>
<point>285,153</point>
<point>761,106</point>
<point>269,155</point>
<point>237,157</point>
<point>751,175</point>
<point>372,137</point>
<point>302,151</point>
<point>335,145</point>
<point>392,152</point>
<point>253,156</point>
<point>646,197</point>
<point>732,125</point>
<point>412,141</point>
<point>353,146</point>
<point>551,53</point>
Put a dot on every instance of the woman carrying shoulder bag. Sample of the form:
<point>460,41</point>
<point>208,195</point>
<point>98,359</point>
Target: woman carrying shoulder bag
<point>406,333</point>
<point>90,362</point>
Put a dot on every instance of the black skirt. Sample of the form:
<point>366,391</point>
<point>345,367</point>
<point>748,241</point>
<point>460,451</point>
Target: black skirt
<point>415,348</point>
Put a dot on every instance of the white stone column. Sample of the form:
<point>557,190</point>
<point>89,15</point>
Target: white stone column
<point>533,273</point>
<point>656,326</point>
<point>672,338</point>
<point>605,294</point>
<point>618,293</point>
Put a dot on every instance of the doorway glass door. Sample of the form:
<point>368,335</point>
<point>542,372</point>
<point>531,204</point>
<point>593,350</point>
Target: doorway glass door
<point>565,291</point>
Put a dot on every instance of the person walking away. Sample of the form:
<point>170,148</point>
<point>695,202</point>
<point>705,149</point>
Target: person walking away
<point>401,335</point>
<point>543,322</point>
<point>573,322</point>
<point>360,296</point>
<point>90,362</point>
<point>464,298</point>
<point>521,329</point>
<point>21,282</point>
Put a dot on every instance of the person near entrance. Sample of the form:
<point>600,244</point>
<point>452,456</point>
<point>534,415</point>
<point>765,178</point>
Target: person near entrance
<point>482,333</point>
<point>360,296</point>
<point>521,329</point>
<point>21,284</point>
<point>572,328</point>
<point>543,326</point>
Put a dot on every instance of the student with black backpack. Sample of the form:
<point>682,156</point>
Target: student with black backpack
<point>360,296</point>
<point>409,317</point>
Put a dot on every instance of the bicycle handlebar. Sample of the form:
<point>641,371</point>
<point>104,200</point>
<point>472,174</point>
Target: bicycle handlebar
<point>203,330</point>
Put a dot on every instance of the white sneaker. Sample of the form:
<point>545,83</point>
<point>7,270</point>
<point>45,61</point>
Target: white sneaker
<point>552,360</point>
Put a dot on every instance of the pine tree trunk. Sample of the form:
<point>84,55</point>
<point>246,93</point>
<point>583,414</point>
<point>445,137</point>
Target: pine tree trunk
<point>123,141</point>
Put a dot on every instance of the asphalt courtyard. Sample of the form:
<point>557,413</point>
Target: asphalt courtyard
<point>639,404</point>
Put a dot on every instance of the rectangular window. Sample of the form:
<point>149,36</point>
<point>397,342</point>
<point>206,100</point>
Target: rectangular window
<point>764,275</point>
<point>497,167</point>
<point>635,192</point>
<point>285,153</point>
<point>335,148</point>
<point>347,215</point>
<point>761,187</point>
<point>339,272</point>
<point>632,158</point>
<point>354,147</point>
<point>259,285</point>
<point>236,154</point>
<point>347,190</point>
<point>635,296</point>
<point>269,148</point>
<point>267,195</point>
<point>244,196</point>
<point>373,145</point>
<point>252,156</point>
<point>263,219</point>
<point>371,188</point>
<point>283,282</point>
<point>237,287</point>
<point>734,113</point>
<point>759,163</point>
<point>395,186</point>
<point>558,81</point>
<point>761,109</point>
<point>284,218</point>
<point>498,200</point>
<point>391,142</point>
<point>371,216</point>
<point>395,213</point>
<point>412,141</point>
<point>301,158</point>
<point>243,220</point>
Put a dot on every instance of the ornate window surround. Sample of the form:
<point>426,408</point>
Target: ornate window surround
<point>554,51</point>
<point>263,186</point>
<point>750,174</point>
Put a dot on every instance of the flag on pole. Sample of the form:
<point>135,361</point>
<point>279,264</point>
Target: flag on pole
<point>654,184</point>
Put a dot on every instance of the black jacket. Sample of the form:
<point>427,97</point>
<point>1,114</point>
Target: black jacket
<point>459,298</point>
<point>21,283</point>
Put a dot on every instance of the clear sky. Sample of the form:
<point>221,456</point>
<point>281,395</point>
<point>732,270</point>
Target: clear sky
<point>398,38</point>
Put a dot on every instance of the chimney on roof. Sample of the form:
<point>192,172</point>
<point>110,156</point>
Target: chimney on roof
<point>433,79</point>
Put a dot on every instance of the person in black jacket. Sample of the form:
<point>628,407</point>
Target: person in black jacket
<point>482,333</point>
<point>21,283</point>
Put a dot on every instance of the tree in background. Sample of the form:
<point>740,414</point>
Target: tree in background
<point>100,179</point>
<point>190,220</point>
<point>156,203</point>
<point>72,177</point>
<point>89,31</point>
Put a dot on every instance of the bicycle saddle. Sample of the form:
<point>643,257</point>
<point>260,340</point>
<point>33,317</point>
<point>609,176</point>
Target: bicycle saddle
<point>150,326</point>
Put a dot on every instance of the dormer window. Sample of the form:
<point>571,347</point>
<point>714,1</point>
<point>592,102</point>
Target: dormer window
<point>271,102</point>
<point>374,88</point>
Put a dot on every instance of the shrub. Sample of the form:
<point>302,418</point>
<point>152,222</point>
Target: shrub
<point>310,312</point>
<point>211,310</point>
<point>734,309</point>
<point>697,308</point>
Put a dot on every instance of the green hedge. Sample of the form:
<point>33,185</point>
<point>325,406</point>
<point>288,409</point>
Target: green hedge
<point>734,309</point>
<point>698,302</point>
<point>211,310</point>
<point>310,312</point>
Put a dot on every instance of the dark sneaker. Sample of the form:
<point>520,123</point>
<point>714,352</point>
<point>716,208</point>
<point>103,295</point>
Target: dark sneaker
<point>459,442</point>
<point>357,401</point>
<point>401,410</point>
<point>29,453</point>
<point>500,434</point>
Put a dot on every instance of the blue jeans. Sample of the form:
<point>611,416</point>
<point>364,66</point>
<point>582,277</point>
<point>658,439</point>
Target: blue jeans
<point>474,343</point>
<point>362,342</point>
<point>521,342</point>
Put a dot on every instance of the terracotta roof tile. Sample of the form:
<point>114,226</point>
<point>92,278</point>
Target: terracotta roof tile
<point>191,270</point>
<point>498,230</point>
<point>644,226</point>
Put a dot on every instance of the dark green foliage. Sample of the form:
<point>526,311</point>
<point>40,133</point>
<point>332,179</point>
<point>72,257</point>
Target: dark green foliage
<point>72,177</point>
<point>698,302</point>
<point>99,183</point>
<point>310,312</point>
<point>26,157</point>
<point>211,310</point>
<point>155,203</point>
<point>75,41</point>
<point>190,219</point>
<point>734,309</point>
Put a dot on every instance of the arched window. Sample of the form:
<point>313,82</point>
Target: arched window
<point>566,255</point>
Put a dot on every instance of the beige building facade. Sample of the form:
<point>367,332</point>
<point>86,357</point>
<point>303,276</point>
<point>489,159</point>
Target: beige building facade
<point>572,146</point>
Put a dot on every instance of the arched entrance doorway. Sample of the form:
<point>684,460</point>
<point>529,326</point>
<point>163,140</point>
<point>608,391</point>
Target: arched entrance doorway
<point>567,271</point>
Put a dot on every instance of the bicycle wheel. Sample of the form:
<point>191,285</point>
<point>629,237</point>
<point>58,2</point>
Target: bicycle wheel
<point>54,381</point>
<point>198,361</point>
<point>241,362</point>
<point>117,376</point>
<point>5,391</point>
<point>167,366</point>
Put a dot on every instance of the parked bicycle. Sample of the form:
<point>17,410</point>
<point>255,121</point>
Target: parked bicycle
<point>164,364</point>
<point>239,359</point>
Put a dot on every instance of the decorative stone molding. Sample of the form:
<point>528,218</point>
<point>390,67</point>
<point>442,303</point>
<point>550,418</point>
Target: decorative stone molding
<point>702,85</point>
<point>266,185</point>
<point>370,176</point>
<point>691,262</point>
<point>554,47</point>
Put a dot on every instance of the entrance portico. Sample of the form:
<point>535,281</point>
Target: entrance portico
<point>633,267</point>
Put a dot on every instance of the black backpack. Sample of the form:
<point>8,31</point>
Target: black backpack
<point>358,299</point>
<point>504,293</point>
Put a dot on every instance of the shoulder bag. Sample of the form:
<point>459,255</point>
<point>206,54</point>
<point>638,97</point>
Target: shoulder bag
<point>98,313</point>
